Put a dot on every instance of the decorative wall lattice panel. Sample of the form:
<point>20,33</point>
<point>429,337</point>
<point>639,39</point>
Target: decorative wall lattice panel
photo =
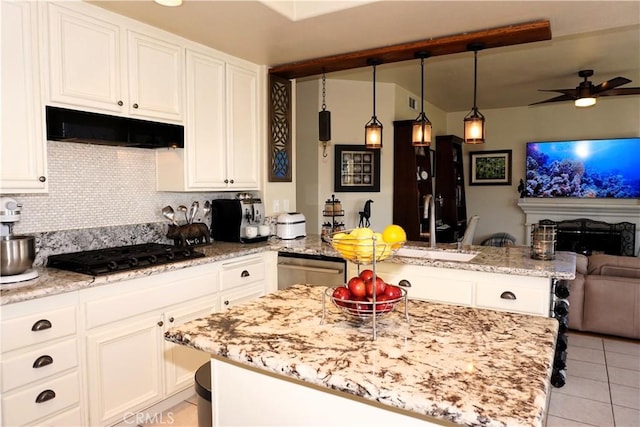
<point>280,160</point>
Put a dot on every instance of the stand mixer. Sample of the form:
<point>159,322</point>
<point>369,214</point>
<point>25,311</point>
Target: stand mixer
<point>17,252</point>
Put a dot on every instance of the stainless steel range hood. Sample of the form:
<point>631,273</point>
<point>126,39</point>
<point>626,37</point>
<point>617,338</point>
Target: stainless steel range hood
<point>101,129</point>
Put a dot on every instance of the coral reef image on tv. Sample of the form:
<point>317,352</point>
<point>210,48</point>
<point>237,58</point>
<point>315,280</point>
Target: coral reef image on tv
<point>597,168</point>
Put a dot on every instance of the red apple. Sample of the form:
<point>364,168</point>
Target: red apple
<point>341,293</point>
<point>393,292</point>
<point>382,306</point>
<point>366,274</point>
<point>380,286</point>
<point>357,287</point>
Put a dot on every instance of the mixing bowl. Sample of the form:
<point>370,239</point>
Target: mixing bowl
<point>17,254</point>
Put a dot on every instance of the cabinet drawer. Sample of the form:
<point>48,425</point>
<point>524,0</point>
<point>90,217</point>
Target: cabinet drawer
<point>243,272</point>
<point>242,294</point>
<point>132,297</point>
<point>20,408</point>
<point>37,328</point>
<point>457,292</point>
<point>38,364</point>
<point>513,297</point>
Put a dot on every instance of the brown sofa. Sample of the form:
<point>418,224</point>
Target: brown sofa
<point>605,295</point>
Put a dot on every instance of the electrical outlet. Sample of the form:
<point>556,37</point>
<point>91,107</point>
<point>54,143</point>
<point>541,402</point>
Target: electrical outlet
<point>286,205</point>
<point>276,206</point>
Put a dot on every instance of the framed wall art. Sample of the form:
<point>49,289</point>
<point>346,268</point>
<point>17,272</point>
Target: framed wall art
<point>357,169</point>
<point>490,167</point>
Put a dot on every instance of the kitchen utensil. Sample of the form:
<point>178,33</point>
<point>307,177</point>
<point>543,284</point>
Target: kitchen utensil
<point>195,206</point>
<point>168,213</point>
<point>183,209</point>
<point>17,254</point>
<point>206,209</point>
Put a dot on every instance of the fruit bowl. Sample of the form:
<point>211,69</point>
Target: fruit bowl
<point>363,309</point>
<point>362,248</point>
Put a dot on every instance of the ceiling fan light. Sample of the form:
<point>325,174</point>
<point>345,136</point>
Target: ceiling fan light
<point>585,102</point>
<point>474,128</point>
<point>421,131</point>
<point>169,3</point>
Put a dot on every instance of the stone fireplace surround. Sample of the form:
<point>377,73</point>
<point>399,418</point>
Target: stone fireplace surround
<point>560,209</point>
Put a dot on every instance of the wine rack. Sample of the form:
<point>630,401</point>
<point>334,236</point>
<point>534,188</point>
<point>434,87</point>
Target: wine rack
<point>561,313</point>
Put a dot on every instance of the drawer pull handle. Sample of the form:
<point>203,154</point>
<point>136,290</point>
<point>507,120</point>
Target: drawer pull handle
<point>226,302</point>
<point>404,283</point>
<point>508,295</point>
<point>244,273</point>
<point>171,319</point>
<point>42,361</point>
<point>161,323</point>
<point>41,325</point>
<point>45,395</point>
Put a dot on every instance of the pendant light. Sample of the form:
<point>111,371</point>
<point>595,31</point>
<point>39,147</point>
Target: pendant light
<point>373,129</point>
<point>421,125</point>
<point>324,119</point>
<point>474,121</point>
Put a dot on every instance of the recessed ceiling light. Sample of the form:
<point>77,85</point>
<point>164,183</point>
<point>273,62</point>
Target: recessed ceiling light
<point>170,3</point>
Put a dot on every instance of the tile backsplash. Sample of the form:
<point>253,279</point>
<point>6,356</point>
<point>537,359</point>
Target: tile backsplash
<point>98,186</point>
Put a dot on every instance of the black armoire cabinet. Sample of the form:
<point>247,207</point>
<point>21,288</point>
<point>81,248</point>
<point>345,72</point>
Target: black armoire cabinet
<point>450,188</point>
<point>412,180</point>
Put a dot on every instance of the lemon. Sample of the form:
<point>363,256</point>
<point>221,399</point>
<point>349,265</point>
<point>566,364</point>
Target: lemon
<point>395,235</point>
<point>362,233</point>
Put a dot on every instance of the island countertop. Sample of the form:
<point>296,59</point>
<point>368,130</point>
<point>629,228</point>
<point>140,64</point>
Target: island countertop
<point>449,363</point>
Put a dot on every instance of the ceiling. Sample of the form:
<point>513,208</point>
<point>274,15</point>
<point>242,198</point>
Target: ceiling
<point>599,35</point>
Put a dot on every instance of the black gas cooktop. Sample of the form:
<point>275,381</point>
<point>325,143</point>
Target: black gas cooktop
<point>122,258</point>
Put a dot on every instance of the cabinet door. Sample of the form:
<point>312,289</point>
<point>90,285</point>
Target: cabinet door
<point>124,367</point>
<point>23,148</point>
<point>84,60</point>
<point>206,149</point>
<point>155,77</point>
<point>242,127</point>
<point>242,294</point>
<point>182,362</point>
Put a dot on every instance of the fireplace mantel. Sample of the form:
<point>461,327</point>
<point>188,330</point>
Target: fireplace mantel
<point>607,210</point>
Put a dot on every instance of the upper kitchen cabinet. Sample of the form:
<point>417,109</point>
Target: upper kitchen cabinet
<point>23,149</point>
<point>98,63</point>
<point>222,149</point>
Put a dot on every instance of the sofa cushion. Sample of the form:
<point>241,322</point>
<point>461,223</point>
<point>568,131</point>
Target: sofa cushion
<point>611,306</point>
<point>582,263</point>
<point>612,265</point>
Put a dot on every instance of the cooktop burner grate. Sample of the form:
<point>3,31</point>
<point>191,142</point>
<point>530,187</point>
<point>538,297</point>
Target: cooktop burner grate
<point>123,258</point>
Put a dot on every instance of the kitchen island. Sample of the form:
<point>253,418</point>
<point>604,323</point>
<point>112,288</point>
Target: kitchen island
<point>274,364</point>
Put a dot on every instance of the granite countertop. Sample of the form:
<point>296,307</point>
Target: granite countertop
<point>512,260</point>
<point>458,364</point>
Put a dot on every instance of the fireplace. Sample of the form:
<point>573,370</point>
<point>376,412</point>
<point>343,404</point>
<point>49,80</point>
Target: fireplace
<point>615,214</point>
<point>587,237</point>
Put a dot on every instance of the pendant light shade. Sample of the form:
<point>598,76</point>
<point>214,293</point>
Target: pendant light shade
<point>421,129</point>
<point>474,121</point>
<point>373,128</point>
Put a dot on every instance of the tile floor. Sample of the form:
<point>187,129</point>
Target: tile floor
<point>602,389</point>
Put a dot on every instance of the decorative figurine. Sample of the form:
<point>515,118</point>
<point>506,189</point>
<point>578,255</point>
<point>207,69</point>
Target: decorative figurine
<point>365,214</point>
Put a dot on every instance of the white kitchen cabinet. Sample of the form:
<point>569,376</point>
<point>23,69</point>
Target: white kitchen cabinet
<point>496,291</point>
<point>222,149</point>
<point>40,363</point>
<point>242,279</point>
<point>130,366</point>
<point>23,156</point>
<point>97,62</point>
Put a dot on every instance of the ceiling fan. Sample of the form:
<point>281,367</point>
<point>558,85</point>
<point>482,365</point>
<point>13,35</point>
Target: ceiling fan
<point>586,93</point>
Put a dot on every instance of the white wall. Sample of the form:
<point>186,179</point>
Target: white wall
<point>511,128</point>
<point>351,108</point>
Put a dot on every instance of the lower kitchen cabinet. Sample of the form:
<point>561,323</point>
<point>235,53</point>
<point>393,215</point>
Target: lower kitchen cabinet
<point>496,291</point>
<point>40,379</point>
<point>130,366</point>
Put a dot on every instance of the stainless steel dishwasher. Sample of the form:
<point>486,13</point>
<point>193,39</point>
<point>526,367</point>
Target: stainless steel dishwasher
<point>319,270</point>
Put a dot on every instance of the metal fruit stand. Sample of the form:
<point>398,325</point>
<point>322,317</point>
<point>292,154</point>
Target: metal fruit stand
<point>351,249</point>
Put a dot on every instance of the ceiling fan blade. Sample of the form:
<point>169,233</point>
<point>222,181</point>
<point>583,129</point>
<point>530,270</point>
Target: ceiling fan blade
<point>621,91</point>
<point>568,92</point>
<point>556,99</point>
<point>610,84</point>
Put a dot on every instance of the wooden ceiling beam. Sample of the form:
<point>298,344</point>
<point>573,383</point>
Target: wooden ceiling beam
<point>495,37</point>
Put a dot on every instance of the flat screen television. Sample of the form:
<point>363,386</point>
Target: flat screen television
<point>586,168</point>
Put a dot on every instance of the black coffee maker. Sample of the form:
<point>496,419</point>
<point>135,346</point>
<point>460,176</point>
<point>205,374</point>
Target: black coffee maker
<point>230,218</point>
